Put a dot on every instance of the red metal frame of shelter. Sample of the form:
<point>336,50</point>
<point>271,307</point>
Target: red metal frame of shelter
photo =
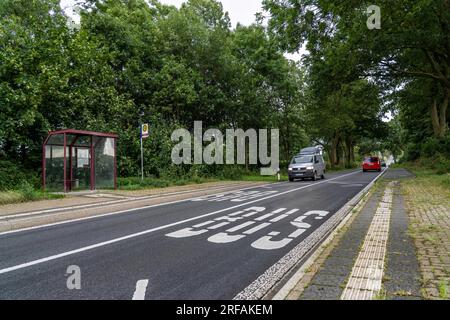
<point>77,134</point>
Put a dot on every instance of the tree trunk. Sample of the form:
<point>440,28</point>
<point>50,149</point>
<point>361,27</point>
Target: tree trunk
<point>439,117</point>
<point>443,128</point>
<point>352,154</point>
<point>349,152</point>
<point>334,151</point>
<point>341,155</point>
<point>435,118</point>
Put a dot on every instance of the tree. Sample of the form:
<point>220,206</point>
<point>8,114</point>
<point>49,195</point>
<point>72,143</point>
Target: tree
<point>394,140</point>
<point>413,41</point>
<point>131,61</point>
<point>33,45</point>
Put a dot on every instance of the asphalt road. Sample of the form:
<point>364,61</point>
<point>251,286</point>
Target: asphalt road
<point>207,248</point>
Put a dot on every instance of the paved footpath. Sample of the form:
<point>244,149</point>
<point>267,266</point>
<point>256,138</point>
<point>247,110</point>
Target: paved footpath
<point>428,208</point>
<point>396,247</point>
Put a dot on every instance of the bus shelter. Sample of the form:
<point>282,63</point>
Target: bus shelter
<point>74,160</point>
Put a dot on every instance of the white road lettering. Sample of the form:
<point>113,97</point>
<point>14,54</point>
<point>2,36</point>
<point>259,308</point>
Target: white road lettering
<point>220,225</point>
<point>186,233</point>
<point>204,224</point>
<point>241,226</point>
<point>239,196</point>
<point>224,237</point>
<point>257,228</point>
<point>266,243</point>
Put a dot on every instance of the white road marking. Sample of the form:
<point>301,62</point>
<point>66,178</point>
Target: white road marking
<point>141,288</point>
<point>138,234</point>
<point>113,203</point>
<point>241,226</point>
<point>264,217</point>
<point>267,280</point>
<point>266,243</point>
<point>229,218</point>
<point>237,196</point>
<point>279,218</point>
<point>96,216</point>
<point>204,224</point>
<point>223,237</point>
<point>251,214</point>
<point>217,226</point>
<point>257,228</point>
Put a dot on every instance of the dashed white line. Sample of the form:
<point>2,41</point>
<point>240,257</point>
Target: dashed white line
<point>141,288</point>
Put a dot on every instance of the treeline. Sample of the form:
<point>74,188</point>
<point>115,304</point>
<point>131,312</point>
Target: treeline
<point>401,67</point>
<point>136,61</point>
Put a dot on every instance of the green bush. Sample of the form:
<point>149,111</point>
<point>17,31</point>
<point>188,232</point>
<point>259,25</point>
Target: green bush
<point>235,172</point>
<point>441,164</point>
<point>11,175</point>
<point>429,148</point>
<point>27,191</point>
<point>438,164</point>
<point>137,183</point>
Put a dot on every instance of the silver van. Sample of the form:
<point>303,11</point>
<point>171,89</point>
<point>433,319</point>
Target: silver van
<point>308,163</point>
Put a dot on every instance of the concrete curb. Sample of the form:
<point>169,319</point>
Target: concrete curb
<point>355,203</point>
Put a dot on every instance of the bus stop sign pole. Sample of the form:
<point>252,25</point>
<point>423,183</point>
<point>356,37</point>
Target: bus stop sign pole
<point>144,135</point>
<point>142,159</point>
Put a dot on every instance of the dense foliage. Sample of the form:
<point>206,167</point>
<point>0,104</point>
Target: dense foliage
<point>134,61</point>
<point>406,59</point>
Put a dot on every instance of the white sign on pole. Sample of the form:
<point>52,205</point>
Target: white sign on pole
<point>145,130</point>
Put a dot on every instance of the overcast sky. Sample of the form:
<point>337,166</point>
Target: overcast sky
<point>242,11</point>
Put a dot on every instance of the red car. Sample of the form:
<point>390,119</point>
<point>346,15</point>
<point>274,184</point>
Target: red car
<point>371,163</point>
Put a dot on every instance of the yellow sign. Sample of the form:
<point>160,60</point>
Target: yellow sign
<point>145,130</point>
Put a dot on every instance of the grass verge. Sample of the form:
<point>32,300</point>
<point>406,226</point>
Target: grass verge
<point>25,194</point>
<point>429,176</point>
<point>428,206</point>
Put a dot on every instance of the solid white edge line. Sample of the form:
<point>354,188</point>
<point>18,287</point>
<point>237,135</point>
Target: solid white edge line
<point>113,213</point>
<point>141,288</point>
<point>116,202</point>
<point>134,235</point>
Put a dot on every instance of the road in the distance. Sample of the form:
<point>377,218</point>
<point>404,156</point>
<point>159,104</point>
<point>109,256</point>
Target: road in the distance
<point>207,248</point>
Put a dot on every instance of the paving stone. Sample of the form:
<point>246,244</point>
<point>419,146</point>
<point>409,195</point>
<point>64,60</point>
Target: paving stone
<point>338,265</point>
<point>335,280</point>
<point>429,213</point>
<point>320,292</point>
<point>432,292</point>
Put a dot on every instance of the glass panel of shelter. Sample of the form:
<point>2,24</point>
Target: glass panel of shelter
<point>82,152</point>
